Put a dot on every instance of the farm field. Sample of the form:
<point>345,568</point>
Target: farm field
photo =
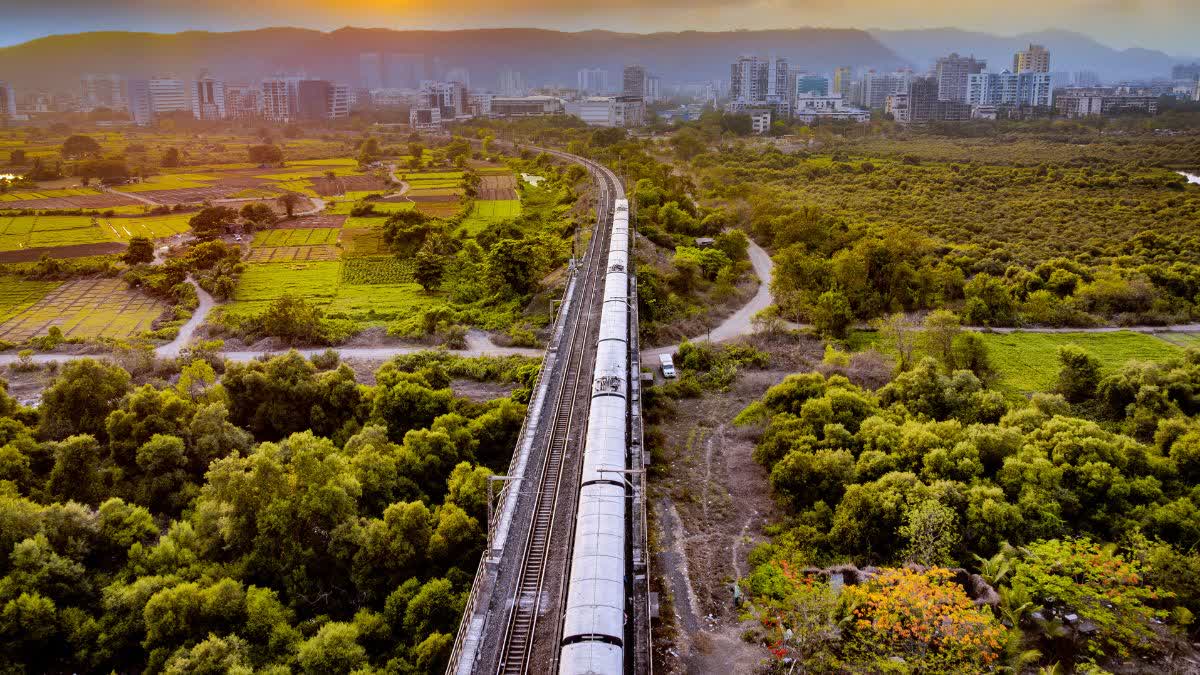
<point>21,232</point>
<point>296,237</point>
<point>364,241</point>
<point>1028,362</point>
<point>18,294</point>
<point>86,308</point>
<point>485,212</point>
<point>1184,340</point>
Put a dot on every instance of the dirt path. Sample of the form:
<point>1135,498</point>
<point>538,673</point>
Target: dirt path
<point>188,329</point>
<point>132,195</point>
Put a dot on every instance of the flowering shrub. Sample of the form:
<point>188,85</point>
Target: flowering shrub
<point>924,618</point>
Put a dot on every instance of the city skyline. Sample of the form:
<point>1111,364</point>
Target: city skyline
<point>1150,24</point>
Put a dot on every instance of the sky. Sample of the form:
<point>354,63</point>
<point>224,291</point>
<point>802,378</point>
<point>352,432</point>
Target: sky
<point>1167,25</point>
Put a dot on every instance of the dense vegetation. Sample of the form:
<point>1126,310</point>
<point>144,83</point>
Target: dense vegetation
<point>278,517</point>
<point>937,470</point>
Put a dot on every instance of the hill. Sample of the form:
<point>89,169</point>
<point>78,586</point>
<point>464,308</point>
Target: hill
<point>1069,52</point>
<point>540,55</point>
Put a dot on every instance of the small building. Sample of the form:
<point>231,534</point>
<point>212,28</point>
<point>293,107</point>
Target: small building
<point>526,106</point>
<point>760,120</point>
<point>609,111</point>
<point>425,119</point>
<point>705,242</point>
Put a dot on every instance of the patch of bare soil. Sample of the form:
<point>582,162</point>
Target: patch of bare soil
<point>711,502</point>
<point>27,385</point>
<point>73,251</point>
<point>481,391</point>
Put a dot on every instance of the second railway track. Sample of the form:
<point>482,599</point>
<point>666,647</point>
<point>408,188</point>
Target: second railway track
<point>530,642</point>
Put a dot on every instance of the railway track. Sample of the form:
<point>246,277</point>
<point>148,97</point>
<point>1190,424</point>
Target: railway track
<point>543,570</point>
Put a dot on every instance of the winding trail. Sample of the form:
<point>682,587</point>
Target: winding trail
<point>188,330</point>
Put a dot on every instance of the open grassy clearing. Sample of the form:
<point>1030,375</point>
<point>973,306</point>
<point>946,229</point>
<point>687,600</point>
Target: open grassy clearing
<point>296,237</point>
<point>1028,362</point>
<point>261,283</point>
<point>47,194</point>
<point>85,308</point>
<point>179,181</point>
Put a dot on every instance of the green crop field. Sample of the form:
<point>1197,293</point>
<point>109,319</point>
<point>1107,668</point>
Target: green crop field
<point>366,241</point>
<point>178,181</point>
<point>19,232</point>
<point>18,294</point>
<point>86,308</point>
<point>381,270</point>
<point>47,194</point>
<point>1028,362</point>
<point>262,283</point>
<point>489,211</point>
<point>296,237</point>
<point>1184,340</point>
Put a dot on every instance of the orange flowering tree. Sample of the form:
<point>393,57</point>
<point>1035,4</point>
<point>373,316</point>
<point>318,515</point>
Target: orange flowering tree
<point>800,613</point>
<point>923,618</point>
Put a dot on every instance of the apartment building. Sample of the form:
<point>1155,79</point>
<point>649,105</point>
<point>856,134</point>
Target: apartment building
<point>953,74</point>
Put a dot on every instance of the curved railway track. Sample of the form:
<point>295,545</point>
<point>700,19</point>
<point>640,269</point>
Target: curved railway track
<point>538,606</point>
<point>517,622</point>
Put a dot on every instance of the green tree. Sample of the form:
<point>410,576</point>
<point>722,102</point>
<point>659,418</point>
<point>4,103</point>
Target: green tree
<point>1078,374</point>
<point>212,222</point>
<point>79,147</point>
<point>171,158</point>
<point>831,315</point>
<point>334,649</point>
<point>75,476</point>
<point>265,154</point>
<point>141,250</point>
<point>80,399</point>
<point>931,529</point>
<point>289,201</point>
<point>292,318</point>
<point>937,337</point>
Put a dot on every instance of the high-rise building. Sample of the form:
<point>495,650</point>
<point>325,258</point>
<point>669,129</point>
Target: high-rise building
<point>1086,78</point>
<point>510,82</point>
<point>208,99</point>
<point>140,103</point>
<point>277,100</point>
<point>609,111</point>
<point>169,94</point>
<point>808,83</point>
<point>876,87</point>
<point>321,100</point>
<point>592,81</point>
<point>460,75</point>
<point>450,98</point>
<point>653,89</point>
<point>634,81</point>
<point>370,70</point>
<point>841,81</point>
<point>403,71</point>
<point>242,102</point>
<point>753,79</point>
<point>103,91</point>
<point>920,104</point>
<point>1036,59</point>
<point>1028,89</point>
<point>952,74</point>
<point>8,101</point>
<point>1186,71</point>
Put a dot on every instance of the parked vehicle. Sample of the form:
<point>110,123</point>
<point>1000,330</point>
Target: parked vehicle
<point>668,366</point>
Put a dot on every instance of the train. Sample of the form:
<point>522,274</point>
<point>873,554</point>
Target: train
<point>594,622</point>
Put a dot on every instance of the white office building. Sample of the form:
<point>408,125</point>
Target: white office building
<point>169,94</point>
<point>813,108</point>
<point>609,111</point>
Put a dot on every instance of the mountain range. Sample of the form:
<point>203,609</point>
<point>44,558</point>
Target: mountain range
<point>542,56</point>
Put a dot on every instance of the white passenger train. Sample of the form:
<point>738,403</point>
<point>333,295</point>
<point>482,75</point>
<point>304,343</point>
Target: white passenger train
<point>593,635</point>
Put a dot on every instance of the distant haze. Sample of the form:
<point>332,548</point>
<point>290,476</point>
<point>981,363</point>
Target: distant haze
<point>541,56</point>
<point>1167,25</point>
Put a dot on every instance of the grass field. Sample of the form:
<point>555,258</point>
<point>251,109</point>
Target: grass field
<point>262,283</point>
<point>1028,362</point>
<point>46,194</point>
<point>178,181</point>
<point>87,308</point>
<point>366,241</point>
<point>273,254</point>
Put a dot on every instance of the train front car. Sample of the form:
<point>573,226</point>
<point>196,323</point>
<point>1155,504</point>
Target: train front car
<point>594,621</point>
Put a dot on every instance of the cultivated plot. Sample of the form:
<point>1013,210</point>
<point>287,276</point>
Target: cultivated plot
<point>1028,362</point>
<point>87,308</point>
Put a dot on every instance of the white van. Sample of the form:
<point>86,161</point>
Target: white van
<point>668,366</point>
